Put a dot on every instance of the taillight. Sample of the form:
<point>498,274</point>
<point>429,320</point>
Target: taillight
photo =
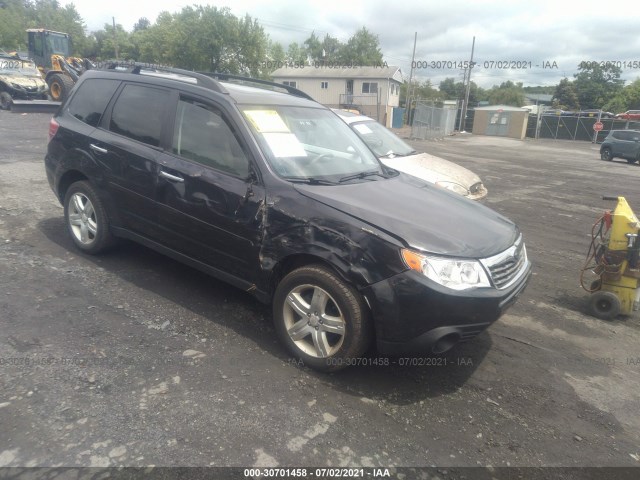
<point>53,128</point>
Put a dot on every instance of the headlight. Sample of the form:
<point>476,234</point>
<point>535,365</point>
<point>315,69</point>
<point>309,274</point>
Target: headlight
<point>454,187</point>
<point>449,272</point>
<point>16,86</point>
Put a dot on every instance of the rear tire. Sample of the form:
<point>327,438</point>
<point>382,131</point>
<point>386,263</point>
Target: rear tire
<point>323,321</point>
<point>59,87</point>
<point>606,155</point>
<point>87,219</point>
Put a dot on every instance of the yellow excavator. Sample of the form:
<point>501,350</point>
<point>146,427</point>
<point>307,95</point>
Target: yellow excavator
<point>50,51</point>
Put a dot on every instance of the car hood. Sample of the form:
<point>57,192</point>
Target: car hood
<point>433,169</point>
<point>22,80</point>
<point>420,215</point>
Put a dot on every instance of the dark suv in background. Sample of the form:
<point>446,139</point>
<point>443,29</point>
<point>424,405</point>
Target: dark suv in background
<point>273,193</point>
<point>623,144</point>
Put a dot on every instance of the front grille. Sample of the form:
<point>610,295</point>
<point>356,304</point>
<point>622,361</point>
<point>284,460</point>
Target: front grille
<point>507,266</point>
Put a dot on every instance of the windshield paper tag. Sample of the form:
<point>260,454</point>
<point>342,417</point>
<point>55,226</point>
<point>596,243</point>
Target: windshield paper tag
<point>267,121</point>
<point>284,145</point>
<point>363,129</point>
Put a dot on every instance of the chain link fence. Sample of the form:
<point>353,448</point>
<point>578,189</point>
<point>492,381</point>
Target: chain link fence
<point>430,122</point>
<point>575,127</point>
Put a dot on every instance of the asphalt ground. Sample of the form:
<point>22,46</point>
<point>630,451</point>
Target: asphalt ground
<point>132,359</point>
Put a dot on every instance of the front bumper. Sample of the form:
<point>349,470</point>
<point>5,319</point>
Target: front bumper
<point>414,315</point>
<point>29,93</point>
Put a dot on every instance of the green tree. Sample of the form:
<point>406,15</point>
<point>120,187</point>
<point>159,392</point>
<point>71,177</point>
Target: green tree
<point>313,48</point>
<point>540,89</point>
<point>453,90</point>
<point>508,93</point>
<point>330,47</point>
<point>13,22</point>
<point>421,91</point>
<point>363,48</point>
<point>596,85</point>
<point>296,54</point>
<point>205,38</point>
<point>106,42</point>
<point>627,99</point>
<point>565,96</point>
<point>275,53</point>
<point>142,24</point>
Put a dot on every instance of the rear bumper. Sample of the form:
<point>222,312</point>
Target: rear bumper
<point>414,315</point>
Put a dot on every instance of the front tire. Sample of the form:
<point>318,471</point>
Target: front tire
<point>5,101</point>
<point>59,87</point>
<point>86,218</point>
<point>322,320</point>
<point>606,155</point>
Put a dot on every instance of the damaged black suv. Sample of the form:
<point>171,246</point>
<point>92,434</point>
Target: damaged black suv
<point>273,193</point>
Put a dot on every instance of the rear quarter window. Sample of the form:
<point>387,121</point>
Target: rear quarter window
<point>91,99</point>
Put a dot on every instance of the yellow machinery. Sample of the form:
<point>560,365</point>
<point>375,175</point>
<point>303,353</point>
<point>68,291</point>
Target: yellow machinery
<point>50,51</point>
<point>614,257</point>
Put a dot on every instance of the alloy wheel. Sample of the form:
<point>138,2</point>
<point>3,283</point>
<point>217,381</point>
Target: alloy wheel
<point>82,219</point>
<point>314,321</point>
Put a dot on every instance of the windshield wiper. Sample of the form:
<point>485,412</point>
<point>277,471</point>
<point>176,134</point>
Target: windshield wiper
<point>310,180</point>
<point>362,175</point>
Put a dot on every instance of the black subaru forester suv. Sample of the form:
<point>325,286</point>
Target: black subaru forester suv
<point>273,193</point>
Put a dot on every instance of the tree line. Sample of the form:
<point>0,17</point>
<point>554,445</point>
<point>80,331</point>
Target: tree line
<point>197,37</point>
<point>209,38</point>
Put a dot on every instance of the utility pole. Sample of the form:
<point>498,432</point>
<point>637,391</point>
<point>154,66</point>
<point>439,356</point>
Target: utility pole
<point>466,96</point>
<point>460,101</point>
<point>115,38</point>
<point>413,62</point>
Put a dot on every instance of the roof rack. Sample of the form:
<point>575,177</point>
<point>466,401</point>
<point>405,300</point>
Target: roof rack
<point>135,67</point>
<point>259,81</point>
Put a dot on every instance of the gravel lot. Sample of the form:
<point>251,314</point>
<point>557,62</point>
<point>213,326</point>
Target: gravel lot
<point>133,359</point>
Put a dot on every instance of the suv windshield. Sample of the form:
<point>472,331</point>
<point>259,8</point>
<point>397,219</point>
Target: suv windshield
<point>311,144</point>
<point>383,142</point>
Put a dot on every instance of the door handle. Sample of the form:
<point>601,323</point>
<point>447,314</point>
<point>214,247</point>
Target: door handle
<point>173,178</point>
<point>98,149</point>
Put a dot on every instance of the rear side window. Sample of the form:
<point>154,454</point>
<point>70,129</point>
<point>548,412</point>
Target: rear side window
<point>91,99</point>
<point>138,114</point>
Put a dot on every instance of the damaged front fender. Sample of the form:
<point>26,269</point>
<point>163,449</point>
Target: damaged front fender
<point>359,254</point>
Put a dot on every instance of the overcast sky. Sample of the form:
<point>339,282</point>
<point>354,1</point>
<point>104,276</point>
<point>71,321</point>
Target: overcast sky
<point>533,33</point>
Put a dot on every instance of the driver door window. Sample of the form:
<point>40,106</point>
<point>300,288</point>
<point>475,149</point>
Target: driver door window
<point>201,134</point>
